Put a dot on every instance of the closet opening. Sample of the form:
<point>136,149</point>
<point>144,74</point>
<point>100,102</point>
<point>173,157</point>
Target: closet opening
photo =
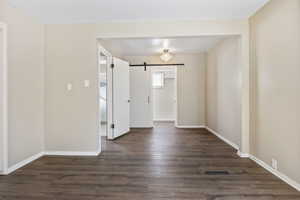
<point>164,95</point>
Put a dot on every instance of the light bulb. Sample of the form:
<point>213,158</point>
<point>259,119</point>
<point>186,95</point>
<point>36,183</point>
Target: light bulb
<point>166,56</point>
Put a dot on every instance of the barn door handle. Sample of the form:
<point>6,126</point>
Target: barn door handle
<point>148,99</point>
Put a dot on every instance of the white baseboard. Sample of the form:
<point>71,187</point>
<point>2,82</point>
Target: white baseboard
<point>223,138</point>
<point>24,162</point>
<point>141,127</point>
<point>280,175</point>
<point>72,153</point>
<point>164,120</point>
<point>54,153</point>
<point>192,127</point>
<point>243,155</point>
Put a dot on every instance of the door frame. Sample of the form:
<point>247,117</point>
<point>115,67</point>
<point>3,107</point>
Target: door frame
<point>4,95</point>
<point>175,96</point>
<point>237,28</point>
<point>109,95</point>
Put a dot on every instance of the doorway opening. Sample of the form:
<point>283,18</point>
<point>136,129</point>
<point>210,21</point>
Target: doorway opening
<point>103,61</point>
<point>104,112</point>
<point>113,98</point>
<point>204,88</point>
<point>164,95</point>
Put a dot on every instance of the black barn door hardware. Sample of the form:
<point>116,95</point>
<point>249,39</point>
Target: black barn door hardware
<point>145,65</point>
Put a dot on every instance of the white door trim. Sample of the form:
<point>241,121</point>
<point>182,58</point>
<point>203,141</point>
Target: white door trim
<point>101,49</point>
<point>4,95</point>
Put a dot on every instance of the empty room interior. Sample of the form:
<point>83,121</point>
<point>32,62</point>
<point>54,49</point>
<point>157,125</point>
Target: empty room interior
<point>154,100</point>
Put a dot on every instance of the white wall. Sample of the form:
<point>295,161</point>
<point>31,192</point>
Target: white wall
<point>25,84</point>
<point>164,100</point>
<point>223,103</point>
<point>71,116</point>
<point>275,42</point>
<point>190,83</point>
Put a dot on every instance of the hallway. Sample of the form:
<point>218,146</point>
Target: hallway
<point>160,163</point>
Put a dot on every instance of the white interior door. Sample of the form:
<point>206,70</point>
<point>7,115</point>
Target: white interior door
<point>141,112</point>
<point>121,100</point>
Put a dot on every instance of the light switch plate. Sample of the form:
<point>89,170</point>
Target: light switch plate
<point>274,164</point>
<point>69,86</point>
<point>87,83</point>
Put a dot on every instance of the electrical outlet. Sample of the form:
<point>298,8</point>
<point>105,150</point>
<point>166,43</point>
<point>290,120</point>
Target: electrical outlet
<point>274,164</point>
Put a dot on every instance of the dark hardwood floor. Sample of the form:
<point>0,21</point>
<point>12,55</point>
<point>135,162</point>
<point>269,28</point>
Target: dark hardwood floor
<point>164,163</point>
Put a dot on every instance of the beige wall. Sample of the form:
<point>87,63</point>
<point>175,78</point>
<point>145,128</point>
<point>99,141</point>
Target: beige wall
<point>71,116</point>
<point>190,83</point>
<point>223,93</point>
<point>275,57</point>
<point>25,85</point>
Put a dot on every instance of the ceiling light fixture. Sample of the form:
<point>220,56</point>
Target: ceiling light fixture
<point>166,56</point>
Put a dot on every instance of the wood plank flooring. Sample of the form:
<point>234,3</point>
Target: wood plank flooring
<point>164,163</point>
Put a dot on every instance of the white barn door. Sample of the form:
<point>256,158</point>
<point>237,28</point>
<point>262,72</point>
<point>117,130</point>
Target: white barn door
<point>141,112</point>
<point>121,99</point>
